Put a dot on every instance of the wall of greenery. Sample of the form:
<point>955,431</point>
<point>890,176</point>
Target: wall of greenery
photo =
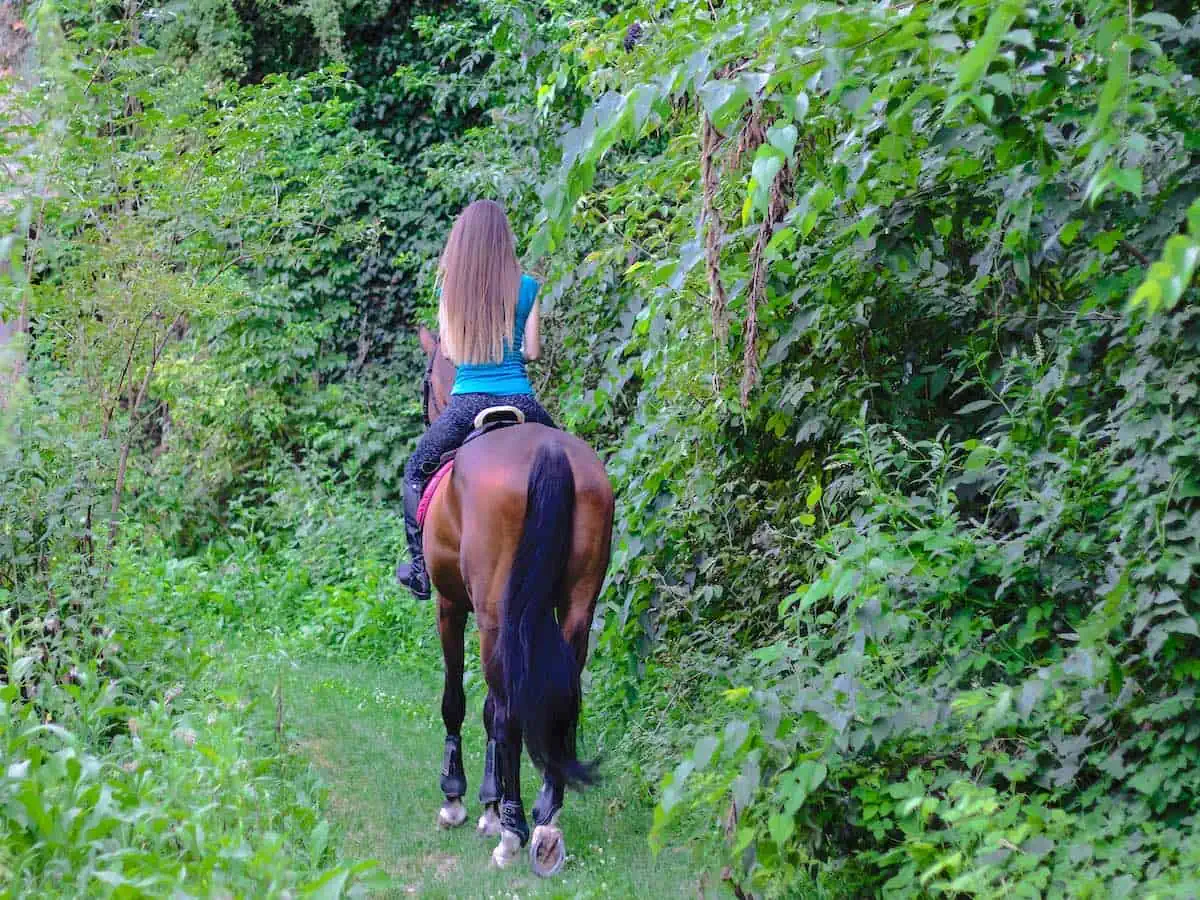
<point>883,317</point>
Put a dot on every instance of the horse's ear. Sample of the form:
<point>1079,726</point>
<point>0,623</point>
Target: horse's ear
<point>428,341</point>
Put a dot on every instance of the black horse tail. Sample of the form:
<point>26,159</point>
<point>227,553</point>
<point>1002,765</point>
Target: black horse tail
<point>541,676</point>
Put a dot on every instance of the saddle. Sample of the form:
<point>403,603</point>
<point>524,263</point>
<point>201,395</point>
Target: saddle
<point>491,419</point>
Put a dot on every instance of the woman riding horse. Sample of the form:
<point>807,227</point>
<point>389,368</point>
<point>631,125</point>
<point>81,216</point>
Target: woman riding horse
<point>519,533</point>
<point>488,325</point>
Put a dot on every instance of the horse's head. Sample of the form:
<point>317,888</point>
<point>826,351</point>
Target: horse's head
<point>439,376</point>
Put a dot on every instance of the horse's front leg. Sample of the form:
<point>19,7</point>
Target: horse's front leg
<point>452,623</point>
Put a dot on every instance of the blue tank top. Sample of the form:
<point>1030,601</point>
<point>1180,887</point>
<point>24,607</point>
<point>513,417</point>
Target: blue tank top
<point>507,377</point>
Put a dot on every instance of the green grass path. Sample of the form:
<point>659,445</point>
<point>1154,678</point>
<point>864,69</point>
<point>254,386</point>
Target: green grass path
<point>374,734</point>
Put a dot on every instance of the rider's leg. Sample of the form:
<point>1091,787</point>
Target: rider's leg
<point>446,433</point>
<point>412,574</point>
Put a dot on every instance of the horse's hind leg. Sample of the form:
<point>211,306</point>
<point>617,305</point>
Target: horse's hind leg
<point>489,787</point>
<point>514,829</point>
<point>547,848</point>
<point>452,623</point>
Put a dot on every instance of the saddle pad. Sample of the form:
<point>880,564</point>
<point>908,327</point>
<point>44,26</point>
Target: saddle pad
<point>431,489</point>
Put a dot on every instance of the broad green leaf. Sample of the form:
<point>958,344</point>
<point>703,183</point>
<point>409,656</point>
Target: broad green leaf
<point>1128,180</point>
<point>984,103</point>
<point>1169,276</point>
<point>783,138</point>
<point>977,458</point>
<point>1114,85</point>
<point>722,99</point>
<point>673,785</point>
<point>814,203</point>
<point>946,40</point>
<point>318,842</point>
<point>972,67</point>
<point>781,827</point>
<point>1022,37</point>
<point>703,752</point>
<point>1070,231</point>
<point>797,785</point>
<point>1161,20</point>
<point>801,106</point>
<point>1107,241</point>
<point>329,886</point>
<point>734,737</point>
<point>814,496</point>
<point>1148,779</point>
<point>976,406</point>
<point>768,162</point>
<point>782,241</point>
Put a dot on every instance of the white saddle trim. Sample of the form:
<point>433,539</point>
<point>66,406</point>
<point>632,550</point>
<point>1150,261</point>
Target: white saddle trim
<point>481,419</point>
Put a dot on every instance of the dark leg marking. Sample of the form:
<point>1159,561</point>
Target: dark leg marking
<point>451,626</point>
<point>489,788</point>
<point>508,752</point>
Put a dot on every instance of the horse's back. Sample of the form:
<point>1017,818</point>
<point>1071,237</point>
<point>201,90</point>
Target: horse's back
<point>499,463</point>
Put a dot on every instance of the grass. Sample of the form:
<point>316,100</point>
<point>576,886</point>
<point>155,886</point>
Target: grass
<point>374,735</point>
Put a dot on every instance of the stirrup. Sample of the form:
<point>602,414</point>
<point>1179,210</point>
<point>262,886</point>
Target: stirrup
<point>498,412</point>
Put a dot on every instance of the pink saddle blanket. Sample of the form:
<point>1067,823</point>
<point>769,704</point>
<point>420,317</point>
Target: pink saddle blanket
<point>431,489</point>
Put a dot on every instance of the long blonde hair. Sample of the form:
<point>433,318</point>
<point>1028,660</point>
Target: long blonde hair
<point>480,279</point>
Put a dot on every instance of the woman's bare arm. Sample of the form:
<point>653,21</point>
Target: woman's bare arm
<point>531,346</point>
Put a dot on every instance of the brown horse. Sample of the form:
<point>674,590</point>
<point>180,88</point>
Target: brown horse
<point>519,533</point>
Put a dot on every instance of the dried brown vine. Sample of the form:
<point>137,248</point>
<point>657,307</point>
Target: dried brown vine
<point>752,136</point>
<point>781,190</point>
<point>710,140</point>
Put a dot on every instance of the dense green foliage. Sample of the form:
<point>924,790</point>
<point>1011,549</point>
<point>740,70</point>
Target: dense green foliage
<point>966,476</point>
<point>882,316</point>
<point>866,299</point>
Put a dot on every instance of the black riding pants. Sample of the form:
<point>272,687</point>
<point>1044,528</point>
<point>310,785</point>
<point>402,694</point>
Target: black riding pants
<point>454,425</point>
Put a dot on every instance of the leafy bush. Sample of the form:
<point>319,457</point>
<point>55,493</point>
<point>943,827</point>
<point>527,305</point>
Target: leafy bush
<point>140,759</point>
<point>874,310</point>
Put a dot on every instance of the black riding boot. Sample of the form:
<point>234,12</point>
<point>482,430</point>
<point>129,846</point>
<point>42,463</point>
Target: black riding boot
<point>412,574</point>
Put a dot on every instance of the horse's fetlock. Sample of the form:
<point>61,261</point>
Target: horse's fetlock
<point>512,818</point>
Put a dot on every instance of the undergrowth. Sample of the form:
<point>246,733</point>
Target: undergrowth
<point>142,757</point>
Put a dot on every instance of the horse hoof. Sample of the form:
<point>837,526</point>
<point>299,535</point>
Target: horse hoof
<point>507,850</point>
<point>489,823</point>
<point>547,851</point>
<point>452,814</point>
